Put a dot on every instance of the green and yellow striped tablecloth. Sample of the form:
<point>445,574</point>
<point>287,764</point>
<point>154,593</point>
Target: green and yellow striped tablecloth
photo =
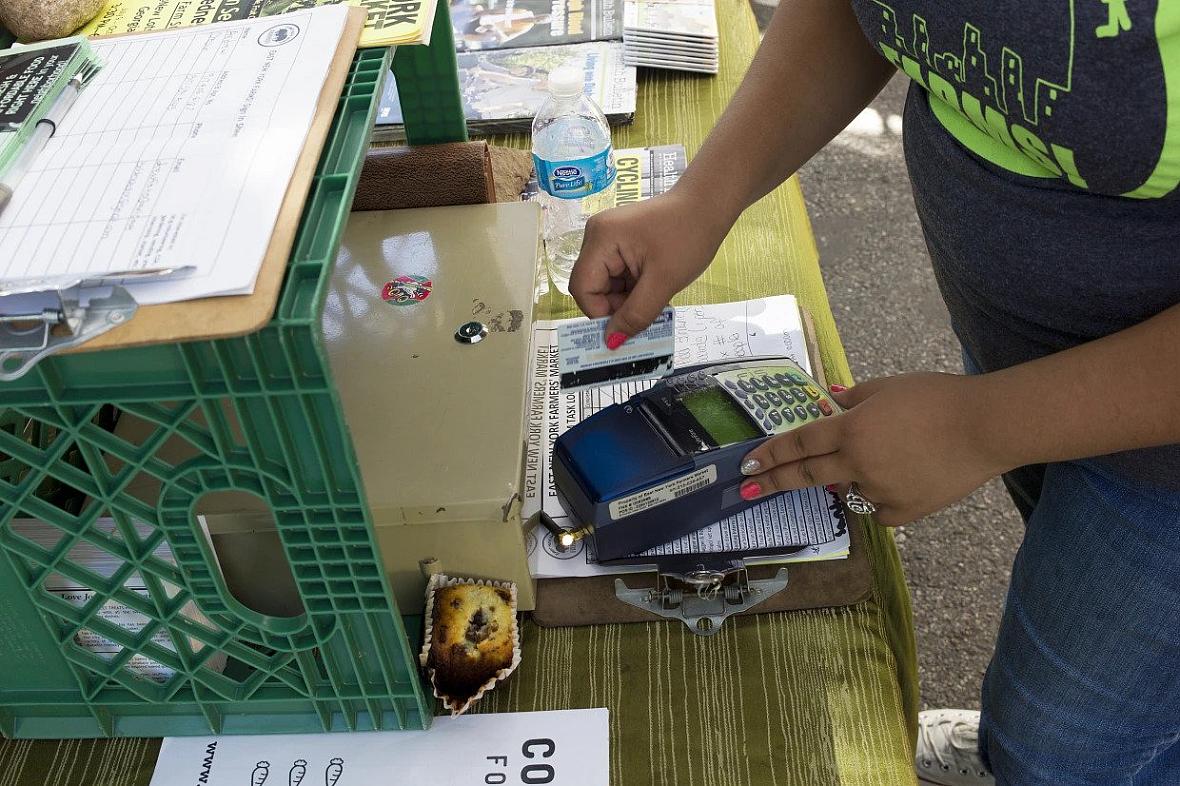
<point>805,698</point>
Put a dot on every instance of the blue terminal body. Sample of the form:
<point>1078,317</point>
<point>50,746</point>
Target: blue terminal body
<point>668,461</point>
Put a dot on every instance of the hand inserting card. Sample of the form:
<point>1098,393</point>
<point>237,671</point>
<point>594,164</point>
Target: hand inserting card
<point>586,361</point>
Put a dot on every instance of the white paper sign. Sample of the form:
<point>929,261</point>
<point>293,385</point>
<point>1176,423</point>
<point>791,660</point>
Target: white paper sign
<point>566,748</point>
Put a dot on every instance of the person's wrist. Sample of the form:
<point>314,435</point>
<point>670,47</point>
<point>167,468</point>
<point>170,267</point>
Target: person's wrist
<point>708,209</point>
<point>987,411</point>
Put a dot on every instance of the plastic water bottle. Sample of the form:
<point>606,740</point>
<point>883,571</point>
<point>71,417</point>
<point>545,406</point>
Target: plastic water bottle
<point>575,168</point>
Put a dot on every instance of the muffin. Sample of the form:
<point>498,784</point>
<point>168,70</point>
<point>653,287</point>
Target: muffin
<point>472,642</point>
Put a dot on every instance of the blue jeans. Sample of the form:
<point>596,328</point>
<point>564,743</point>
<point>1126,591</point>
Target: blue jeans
<point>1084,684</point>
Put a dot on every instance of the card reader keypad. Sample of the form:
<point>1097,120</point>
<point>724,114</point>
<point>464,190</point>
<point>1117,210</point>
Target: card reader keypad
<point>778,398</point>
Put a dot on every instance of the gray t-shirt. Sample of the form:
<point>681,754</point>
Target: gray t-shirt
<point>1043,143</point>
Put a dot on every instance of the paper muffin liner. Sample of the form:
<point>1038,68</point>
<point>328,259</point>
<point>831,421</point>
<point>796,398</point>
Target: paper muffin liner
<point>439,581</point>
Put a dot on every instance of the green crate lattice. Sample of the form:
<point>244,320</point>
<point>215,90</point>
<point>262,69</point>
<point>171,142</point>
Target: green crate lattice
<point>428,86</point>
<point>257,414</point>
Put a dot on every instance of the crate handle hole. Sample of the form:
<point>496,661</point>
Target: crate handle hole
<point>250,554</point>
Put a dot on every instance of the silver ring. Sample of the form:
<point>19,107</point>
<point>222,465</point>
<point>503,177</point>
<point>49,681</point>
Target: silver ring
<point>858,503</point>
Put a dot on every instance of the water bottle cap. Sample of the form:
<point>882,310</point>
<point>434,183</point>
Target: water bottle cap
<point>565,81</point>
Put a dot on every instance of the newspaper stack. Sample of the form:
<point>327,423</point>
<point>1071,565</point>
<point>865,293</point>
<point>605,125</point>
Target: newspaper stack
<point>502,89</point>
<point>480,25</point>
<point>680,35</point>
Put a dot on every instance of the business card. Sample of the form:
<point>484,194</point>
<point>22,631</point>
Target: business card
<point>585,361</point>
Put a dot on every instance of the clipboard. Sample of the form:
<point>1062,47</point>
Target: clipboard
<point>224,316</point>
<point>599,600</point>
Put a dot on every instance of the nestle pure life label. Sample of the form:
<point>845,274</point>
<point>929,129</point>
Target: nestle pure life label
<point>578,178</point>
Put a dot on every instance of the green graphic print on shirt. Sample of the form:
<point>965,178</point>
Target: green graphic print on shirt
<point>1086,91</point>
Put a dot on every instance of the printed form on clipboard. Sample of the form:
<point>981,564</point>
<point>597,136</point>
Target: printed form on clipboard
<point>704,334</point>
<point>177,155</point>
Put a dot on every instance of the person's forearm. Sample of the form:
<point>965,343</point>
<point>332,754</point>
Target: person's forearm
<point>1117,393</point>
<point>814,72</point>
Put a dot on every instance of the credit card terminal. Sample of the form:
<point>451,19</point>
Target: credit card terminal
<point>668,461</point>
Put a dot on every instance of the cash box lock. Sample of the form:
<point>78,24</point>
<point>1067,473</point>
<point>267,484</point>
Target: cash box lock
<point>471,333</point>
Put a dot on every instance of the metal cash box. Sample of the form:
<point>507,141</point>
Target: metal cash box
<point>426,326</point>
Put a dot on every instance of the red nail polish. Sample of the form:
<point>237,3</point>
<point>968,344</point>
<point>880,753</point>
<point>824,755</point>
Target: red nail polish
<point>615,340</point>
<point>838,388</point>
<point>750,490</point>
<point>831,486</point>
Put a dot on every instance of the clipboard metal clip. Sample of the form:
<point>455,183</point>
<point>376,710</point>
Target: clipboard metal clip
<point>26,338</point>
<point>60,321</point>
<point>702,596</point>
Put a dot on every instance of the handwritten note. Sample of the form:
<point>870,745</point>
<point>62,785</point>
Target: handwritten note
<point>750,328</point>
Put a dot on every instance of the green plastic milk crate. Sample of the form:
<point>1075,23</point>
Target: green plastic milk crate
<point>115,617</point>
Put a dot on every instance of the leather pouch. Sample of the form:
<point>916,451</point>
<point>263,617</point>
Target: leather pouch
<point>455,173</point>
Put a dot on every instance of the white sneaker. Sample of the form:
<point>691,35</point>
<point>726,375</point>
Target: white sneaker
<point>948,749</point>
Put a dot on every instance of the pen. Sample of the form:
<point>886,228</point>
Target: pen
<point>45,129</point>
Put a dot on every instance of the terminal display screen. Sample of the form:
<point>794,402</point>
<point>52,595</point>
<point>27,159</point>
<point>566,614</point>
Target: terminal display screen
<point>717,413</point>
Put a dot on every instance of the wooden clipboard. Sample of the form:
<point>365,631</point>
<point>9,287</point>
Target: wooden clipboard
<point>810,585</point>
<point>238,315</point>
